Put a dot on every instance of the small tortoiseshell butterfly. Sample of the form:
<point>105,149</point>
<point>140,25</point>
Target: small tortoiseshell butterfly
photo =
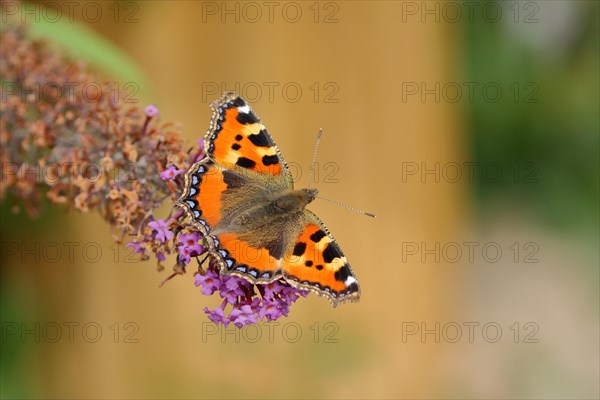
<point>242,198</point>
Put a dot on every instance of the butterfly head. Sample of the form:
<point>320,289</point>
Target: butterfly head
<point>310,194</point>
<point>293,200</point>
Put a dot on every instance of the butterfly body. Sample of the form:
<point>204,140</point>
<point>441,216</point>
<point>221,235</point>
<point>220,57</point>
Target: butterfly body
<point>241,197</point>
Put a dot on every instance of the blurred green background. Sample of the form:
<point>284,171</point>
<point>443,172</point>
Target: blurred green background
<point>554,122</point>
<point>541,134</point>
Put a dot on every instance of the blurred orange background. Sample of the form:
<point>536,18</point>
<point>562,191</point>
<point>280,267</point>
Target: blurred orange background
<point>380,79</point>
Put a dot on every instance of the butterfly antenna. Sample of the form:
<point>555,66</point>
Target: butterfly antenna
<point>368,214</point>
<point>314,160</point>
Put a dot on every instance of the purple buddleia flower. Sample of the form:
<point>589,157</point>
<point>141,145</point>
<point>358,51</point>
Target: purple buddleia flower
<point>210,282</point>
<point>217,316</point>
<point>200,152</point>
<point>184,253</point>
<point>269,311</point>
<point>231,288</point>
<point>191,242</point>
<point>170,173</point>
<point>151,111</point>
<point>231,294</point>
<point>271,289</point>
<point>162,232</point>
<point>189,246</point>
<point>250,302</point>
<point>255,304</point>
<point>290,294</point>
<point>243,316</point>
<point>231,282</point>
<point>284,309</point>
<point>136,246</point>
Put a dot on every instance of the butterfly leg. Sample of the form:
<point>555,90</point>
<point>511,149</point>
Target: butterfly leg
<point>201,262</point>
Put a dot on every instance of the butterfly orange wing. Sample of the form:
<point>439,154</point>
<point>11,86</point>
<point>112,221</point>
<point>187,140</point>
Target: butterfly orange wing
<point>315,262</point>
<point>237,139</point>
<point>243,165</point>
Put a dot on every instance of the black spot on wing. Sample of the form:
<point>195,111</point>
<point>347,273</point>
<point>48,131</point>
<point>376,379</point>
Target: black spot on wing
<point>342,274</point>
<point>299,249</point>
<point>246,119</point>
<point>270,160</point>
<point>232,180</point>
<point>317,236</point>
<point>245,162</point>
<point>352,288</point>
<point>331,251</point>
<point>261,139</point>
<point>308,263</point>
<point>319,267</point>
<point>236,146</point>
<point>238,137</point>
<point>238,102</point>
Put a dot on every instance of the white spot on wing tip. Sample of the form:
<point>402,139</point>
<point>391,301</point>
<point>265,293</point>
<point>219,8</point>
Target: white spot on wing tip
<point>349,281</point>
<point>245,109</point>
